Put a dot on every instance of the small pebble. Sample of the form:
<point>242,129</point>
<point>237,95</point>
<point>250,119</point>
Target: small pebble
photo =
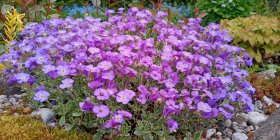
<point>244,124</point>
<point>228,132</point>
<point>239,136</point>
<point>210,132</point>
<point>228,123</point>
<point>219,134</point>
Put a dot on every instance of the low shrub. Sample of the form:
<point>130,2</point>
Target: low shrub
<point>224,9</point>
<point>259,35</point>
<point>26,128</point>
<point>266,87</point>
<point>135,75</point>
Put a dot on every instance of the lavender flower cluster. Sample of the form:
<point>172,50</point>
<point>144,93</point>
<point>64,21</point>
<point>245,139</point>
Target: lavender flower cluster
<point>135,58</point>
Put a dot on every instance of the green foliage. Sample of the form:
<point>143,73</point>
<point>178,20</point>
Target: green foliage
<point>26,128</point>
<point>255,34</point>
<point>224,9</point>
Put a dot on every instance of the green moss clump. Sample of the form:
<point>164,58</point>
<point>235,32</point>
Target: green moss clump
<point>25,128</point>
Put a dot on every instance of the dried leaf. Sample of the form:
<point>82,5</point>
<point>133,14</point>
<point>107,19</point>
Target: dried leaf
<point>113,4</point>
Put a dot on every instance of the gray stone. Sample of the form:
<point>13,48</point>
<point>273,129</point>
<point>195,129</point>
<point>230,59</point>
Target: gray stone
<point>248,129</point>
<point>269,130</point>
<point>269,101</point>
<point>3,99</point>
<point>267,74</point>
<point>258,104</point>
<point>46,114</point>
<point>228,132</point>
<point>244,124</point>
<point>239,136</point>
<point>210,132</point>
<point>219,134</point>
<point>255,118</point>
<point>13,101</point>
<point>251,127</point>
<point>241,118</point>
<point>228,123</point>
<point>240,131</point>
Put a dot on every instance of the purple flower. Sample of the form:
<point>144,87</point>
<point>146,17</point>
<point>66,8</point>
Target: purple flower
<point>118,118</point>
<point>170,83</point>
<point>22,77</point>
<point>155,75</point>
<point>102,94</point>
<point>204,107</point>
<point>101,111</point>
<point>123,97</point>
<point>63,70</point>
<point>146,61</point>
<point>125,113</point>
<point>41,59</point>
<point>182,66</point>
<point>109,75</point>
<point>41,96</point>
<point>104,65</point>
<point>47,68</point>
<point>86,105</point>
<point>66,83</point>
<point>172,124</point>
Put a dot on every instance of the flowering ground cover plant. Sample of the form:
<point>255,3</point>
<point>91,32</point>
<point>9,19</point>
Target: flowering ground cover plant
<point>133,75</point>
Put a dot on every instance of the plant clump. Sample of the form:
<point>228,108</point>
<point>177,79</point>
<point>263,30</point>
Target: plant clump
<point>133,75</point>
<point>26,128</point>
<point>259,35</point>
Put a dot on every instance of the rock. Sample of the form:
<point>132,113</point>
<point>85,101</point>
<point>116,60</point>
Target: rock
<point>258,104</point>
<point>256,118</point>
<point>269,101</point>
<point>46,114</point>
<point>228,132</point>
<point>239,136</point>
<point>248,129</point>
<point>228,123</point>
<point>210,132</point>
<point>13,101</point>
<point>257,127</point>
<point>27,110</point>
<point>252,127</point>
<point>219,134</point>
<point>240,131</point>
<point>244,124</point>
<point>227,139</point>
<point>3,99</point>
<point>269,130</point>
<point>267,74</point>
<point>241,118</point>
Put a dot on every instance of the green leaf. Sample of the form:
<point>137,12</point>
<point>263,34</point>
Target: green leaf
<point>2,49</point>
<point>97,136</point>
<point>159,133</point>
<point>77,114</point>
<point>61,121</point>
<point>197,135</point>
<point>69,127</point>
<point>148,137</point>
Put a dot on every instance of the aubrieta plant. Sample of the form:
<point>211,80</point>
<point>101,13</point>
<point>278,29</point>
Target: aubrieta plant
<point>133,75</point>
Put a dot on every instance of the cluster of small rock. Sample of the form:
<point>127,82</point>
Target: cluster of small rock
<point>12,101</point>
<point>243,126</point>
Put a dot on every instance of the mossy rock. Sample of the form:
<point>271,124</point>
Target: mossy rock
<point>26,128</point>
